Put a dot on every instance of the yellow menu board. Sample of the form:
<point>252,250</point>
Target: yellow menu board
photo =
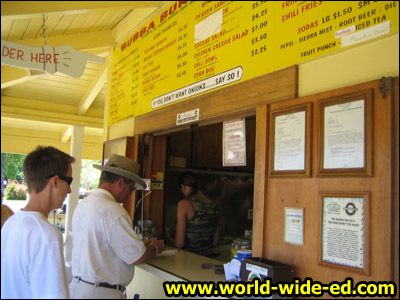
<point>193,47</point>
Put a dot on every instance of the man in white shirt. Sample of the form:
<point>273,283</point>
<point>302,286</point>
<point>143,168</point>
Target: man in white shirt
<point>32,259</point>
<point>105,247</point>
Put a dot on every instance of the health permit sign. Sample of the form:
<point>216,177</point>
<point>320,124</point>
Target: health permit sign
<point>192,47</point>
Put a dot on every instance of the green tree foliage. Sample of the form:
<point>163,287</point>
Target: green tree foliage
<point>12,166</point>
<point>15,191</point>
<point>89,176</point>
<point>11,169</point>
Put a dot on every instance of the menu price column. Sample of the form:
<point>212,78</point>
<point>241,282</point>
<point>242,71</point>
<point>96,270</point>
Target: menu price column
<point>135,78</point>
<point>259,26</point>
<point>182,63</point>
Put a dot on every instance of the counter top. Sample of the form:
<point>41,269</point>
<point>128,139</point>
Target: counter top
<point>187,266</point>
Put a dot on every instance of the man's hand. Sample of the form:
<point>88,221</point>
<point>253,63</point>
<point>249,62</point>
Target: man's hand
<point>154,243</point>
<point>159,245</point>
<point>149,241</point>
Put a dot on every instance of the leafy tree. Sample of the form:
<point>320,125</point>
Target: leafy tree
<point>12,166</point>
<point>89,176</point>
<point>16,191</point>
<point>11,169</point>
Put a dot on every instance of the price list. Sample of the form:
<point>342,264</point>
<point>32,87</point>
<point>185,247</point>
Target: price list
<point>182,57</point>
<point>124,86</point>
<point>167,59</point>
<point>182,54</point>
<point>259,28</point>
<point>195,47</point>
<point>315,28</point>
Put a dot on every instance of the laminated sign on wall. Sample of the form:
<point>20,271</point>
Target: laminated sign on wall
<point>234,143</point>
<point>157,180</point>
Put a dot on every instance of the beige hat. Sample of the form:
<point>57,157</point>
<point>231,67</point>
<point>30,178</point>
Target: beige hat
<point>124,167</point>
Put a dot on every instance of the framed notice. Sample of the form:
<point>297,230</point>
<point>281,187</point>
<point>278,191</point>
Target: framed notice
<point>290,141</point>
<point>294,225</point>
<point>344,231</point>
<point>234,143</point>
<point>345,135</point>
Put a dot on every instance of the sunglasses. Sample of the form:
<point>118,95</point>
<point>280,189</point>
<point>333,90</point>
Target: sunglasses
<point>65,178</point>
<point>131,184</point>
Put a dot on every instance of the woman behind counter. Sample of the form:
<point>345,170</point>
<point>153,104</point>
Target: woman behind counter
<point>197,218</point>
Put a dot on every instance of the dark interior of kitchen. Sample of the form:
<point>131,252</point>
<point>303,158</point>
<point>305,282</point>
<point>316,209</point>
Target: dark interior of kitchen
<point>199,150</point>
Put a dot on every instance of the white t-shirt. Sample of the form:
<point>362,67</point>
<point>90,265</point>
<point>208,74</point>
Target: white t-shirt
<point>104,244</point>
<point>32,259</point>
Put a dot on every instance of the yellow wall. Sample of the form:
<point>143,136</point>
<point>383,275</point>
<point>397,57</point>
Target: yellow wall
<point>12,143</point>
<point>366,62</point>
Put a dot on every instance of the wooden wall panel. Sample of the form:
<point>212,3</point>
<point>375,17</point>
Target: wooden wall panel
<point>132,144</point>
<point>304,193</point>
<point>179,145</point>
<point>269,88</point>
<point>207,147</point>
<point>260,180</point>
<point>156,198</point>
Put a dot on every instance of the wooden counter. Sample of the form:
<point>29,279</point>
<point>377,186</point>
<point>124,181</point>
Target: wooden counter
<point>182,266</point>
<point>187,266</point>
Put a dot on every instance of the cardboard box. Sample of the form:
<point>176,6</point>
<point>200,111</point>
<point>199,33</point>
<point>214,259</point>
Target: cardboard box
<point>258,267</point>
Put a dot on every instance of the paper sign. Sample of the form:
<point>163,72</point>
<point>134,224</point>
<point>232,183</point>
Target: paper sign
<point>234,143</point>
<point>344,135</point>
<point>343,232</point>
<point>157,180</point>
<point>294,225</point>
<point>366,34</point>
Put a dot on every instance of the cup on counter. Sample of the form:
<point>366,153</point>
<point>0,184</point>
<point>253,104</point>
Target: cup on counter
<point>242,254</point>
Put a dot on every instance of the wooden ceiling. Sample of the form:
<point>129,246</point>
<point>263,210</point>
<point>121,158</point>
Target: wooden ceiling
<point>51,104</point>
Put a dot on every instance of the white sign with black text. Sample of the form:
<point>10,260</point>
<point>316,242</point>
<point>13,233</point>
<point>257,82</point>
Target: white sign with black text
<point>188,117</point>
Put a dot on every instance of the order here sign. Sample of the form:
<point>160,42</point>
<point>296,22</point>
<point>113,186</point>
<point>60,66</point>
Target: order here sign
<point>63,59</point>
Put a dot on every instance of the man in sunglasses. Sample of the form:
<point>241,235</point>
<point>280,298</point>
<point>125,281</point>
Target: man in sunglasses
<point>32,260</point>
<point>105,248</point>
